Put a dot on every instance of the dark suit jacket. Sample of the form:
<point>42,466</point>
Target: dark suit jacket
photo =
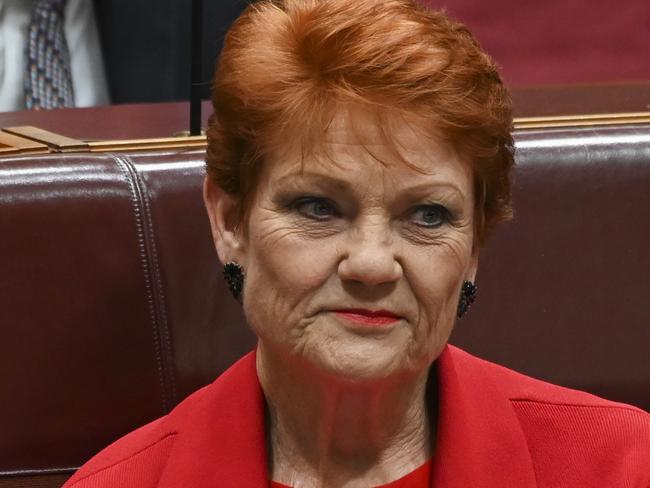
<point>146,45</point>
<point>496,428</point>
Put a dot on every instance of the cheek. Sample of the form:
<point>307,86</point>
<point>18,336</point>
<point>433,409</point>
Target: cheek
<point>437,271</point>
<point>436,280</point>
<point>285,272</point>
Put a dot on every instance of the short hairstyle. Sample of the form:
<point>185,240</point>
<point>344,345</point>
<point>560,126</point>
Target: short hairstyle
<point>287,65</point>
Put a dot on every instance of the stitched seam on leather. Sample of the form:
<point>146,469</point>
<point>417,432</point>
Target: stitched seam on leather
<point>169,434</point>
<point>136,200</point>
<point>160,301</point>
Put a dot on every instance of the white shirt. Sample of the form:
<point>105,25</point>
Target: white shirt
<point>88,75</point>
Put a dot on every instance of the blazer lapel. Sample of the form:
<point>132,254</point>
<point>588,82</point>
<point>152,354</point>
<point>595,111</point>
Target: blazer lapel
<point>220,438</point>
<point>479,441</point>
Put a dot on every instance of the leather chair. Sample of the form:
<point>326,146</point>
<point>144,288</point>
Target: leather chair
<point>563,288</point>
<point>114,308</point>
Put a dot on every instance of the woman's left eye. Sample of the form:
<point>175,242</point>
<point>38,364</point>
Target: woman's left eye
<point>316,208</point>
<point>430,216</point>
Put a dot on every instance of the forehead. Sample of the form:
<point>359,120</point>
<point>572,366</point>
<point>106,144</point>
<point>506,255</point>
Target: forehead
<point>360,145</point>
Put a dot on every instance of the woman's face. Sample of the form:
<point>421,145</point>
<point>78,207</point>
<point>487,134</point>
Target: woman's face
<point>355,268</point>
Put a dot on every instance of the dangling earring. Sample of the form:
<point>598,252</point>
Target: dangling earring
<point>234,275</point>
<point>467,297</point>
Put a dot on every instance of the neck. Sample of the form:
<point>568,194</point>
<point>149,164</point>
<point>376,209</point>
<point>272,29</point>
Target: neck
<point>329,432</point>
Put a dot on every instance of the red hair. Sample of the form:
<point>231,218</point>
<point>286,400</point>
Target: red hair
<point>287,66</point>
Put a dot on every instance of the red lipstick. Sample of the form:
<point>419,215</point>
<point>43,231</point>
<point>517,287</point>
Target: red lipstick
<point>368,317</point>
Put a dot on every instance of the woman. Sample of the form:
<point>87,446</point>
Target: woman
<point>358,156</point>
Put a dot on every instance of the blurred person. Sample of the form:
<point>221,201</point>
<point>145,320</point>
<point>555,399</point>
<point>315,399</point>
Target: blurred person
<point>118,51</point>
<point>146,46</point>
<point>33,32</point>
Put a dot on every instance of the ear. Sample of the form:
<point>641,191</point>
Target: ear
<point>222,211</point>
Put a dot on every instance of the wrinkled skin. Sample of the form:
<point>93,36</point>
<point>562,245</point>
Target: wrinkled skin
<point>363,244</point>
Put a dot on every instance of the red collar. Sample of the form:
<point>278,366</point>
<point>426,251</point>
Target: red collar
<point>220,438</point>
<point>479,438</point>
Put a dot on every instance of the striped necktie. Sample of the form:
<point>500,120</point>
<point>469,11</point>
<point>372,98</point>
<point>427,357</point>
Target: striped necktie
<point>48,77</point>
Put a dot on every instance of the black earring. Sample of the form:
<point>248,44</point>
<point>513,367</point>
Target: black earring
<point>234,275</point>
<point>467,297</point>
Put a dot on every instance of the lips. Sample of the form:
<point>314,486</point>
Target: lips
<point>376,318</point>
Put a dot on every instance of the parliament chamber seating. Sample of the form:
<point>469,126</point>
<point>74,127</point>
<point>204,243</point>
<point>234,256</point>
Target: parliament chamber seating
<point>113,307</point>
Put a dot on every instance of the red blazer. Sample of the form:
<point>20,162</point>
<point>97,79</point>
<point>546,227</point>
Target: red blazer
<point>496,428</point>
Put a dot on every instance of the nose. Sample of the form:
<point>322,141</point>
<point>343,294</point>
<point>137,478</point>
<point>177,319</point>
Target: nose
<point>370,258</point>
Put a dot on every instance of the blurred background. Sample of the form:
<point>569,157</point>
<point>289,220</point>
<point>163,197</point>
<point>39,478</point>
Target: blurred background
<point>126,51</point>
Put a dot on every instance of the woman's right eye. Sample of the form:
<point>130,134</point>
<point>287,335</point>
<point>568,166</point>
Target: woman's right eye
<point>316,208</point>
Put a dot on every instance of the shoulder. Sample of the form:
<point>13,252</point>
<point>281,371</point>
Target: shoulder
<point>567,429</point>
<point>140,457</point>
<point>520,387</point>
<point>532,397</point>
<point>141,453</point>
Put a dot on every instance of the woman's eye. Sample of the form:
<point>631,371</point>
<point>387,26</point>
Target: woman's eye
<point>430,216</point>
<point>316,208</point>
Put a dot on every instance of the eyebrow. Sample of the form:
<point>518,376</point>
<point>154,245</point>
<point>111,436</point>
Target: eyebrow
<point>345,187</point>
<point>317,178</point>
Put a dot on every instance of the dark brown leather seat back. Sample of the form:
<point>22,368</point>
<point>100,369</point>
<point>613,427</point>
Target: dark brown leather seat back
<point>113,306</point>
<point>564,289</point>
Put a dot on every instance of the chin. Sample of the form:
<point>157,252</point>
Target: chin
<point>361,361</point>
